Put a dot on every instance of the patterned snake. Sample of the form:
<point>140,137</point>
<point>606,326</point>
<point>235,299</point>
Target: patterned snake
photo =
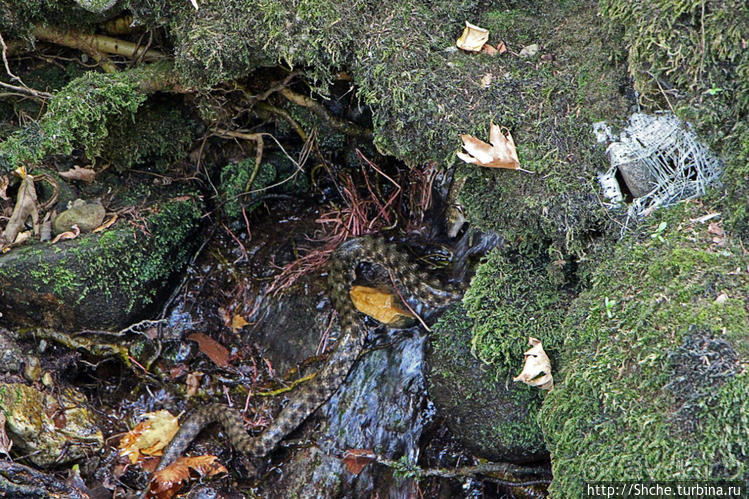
<point>341,274</point>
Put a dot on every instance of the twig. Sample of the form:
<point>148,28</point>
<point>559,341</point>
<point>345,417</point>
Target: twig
<point>23,89</point>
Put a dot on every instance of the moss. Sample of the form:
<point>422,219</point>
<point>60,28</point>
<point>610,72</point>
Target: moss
<point>493,418</point>
<point>100,279</point>
<point>159,134</point>
<point>627,403</point>
<point>77,115</point>
<point>691,57</point>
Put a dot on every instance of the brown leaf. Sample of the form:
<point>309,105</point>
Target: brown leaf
<point>489,50</point>
<point>4,182</point>
<point>26,206</point>
<point>149,436</point>
<point>501,48</point>
<point>356,459</point>
<point>473,38</point>
<point>500,154</point>
<point>486,80</point>
<point>212,348</point>
<point>537,369</point>
<point>77,173</point>
<point>193,383</point>
<point>379,305</point>
<point>70,234</point>
<point>106,224</point>
<point>167,482</point>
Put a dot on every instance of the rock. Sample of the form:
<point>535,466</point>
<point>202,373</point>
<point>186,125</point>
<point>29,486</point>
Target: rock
<point>87,216</point>
<point>101,280</point>
<point>96,6</point>
<point>11,356</point>
<point>489,418</point>
<point>49,429</point>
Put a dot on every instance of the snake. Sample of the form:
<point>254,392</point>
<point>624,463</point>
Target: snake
<point>415,281</point>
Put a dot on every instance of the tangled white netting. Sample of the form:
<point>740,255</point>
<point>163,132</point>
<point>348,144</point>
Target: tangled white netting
<point>666,151</point>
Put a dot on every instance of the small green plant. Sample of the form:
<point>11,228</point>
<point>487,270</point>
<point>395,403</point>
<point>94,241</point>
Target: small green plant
<point>405,468</point>
<point>658,234</point>
<point>609,304</point>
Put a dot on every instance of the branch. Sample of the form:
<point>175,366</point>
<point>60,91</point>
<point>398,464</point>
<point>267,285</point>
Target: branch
<point>339,124</point>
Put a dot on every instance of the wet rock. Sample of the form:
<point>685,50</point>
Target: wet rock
<point>11,356</point>
<point>49,429</point>
<point>381,407</point>
<point>101,280</point>
<point>489,418</point>
<point>87,216</point>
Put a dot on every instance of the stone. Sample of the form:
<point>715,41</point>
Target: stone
<point>87,216</point>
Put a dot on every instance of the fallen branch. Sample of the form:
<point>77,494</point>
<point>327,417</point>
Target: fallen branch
<point>91,43</point>
<point>339,124</point>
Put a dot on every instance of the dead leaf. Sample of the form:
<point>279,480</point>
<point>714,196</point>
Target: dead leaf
<point>500,154</point>
<point>356,459</point>
<point>537,369</point>
<point>501,48</point>
<point>212,348</point>
<point>87,175</point>
<point>238,322</point>
<point>150,436</point>
<point>721,299</point>
<point>193,383</point>
<point>715,229</point>
<point>106,224</point>
<point>26,206</point>
<point>167,482</point>
<point>5,442</point>
<point>22,237</point>
<point>486,80</point>
<point>473,38</point>
<point>70,234</point>
<point>529,50</point>
<point>4,182</point>
<point>489,50</point>
<point>379,305</point>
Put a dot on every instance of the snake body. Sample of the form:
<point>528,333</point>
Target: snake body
<point>341,275</point>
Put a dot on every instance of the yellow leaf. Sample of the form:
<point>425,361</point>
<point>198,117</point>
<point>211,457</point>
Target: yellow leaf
<point>149,437</point>
<point>537,369</point>
<point>500,154</point>
<point>238,322</point>
<point>473,38</point>
<point>379,305</point>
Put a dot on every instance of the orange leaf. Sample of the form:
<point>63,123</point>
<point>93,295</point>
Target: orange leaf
<point>238,322</point>
<point>167,482</point>
<point>149,436</point>
<point>106,224</point>
<point>356,459</point>
<point>500,154</point>
<point>212,348</point>
<point>71,234</point>
<point>501,48</point>
<point>379,305</point>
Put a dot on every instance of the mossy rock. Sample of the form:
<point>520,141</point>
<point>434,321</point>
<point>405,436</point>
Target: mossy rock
<point>653,377</point>
<point>99,280</point>
<point>492,418</point>
<point>49,429</point>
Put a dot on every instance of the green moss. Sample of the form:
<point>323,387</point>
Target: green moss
<point>511,298</point>
<point>76,116</point>
<point>159,134</point>
<point>488,414</point>
<point>635,397</point>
